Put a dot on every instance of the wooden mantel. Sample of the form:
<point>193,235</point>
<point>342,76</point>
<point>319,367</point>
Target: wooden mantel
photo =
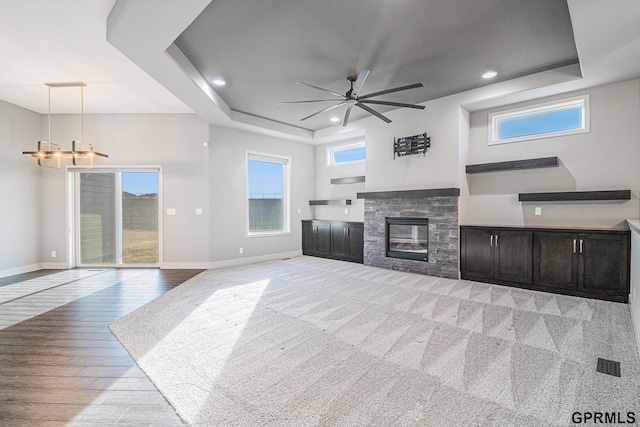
<point>413,194</point>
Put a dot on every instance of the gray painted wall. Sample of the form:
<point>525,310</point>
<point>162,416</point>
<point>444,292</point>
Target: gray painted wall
<point>325,190</point>
<point>20,248</point>
<point>173,141</point>
<point>606,158</point>
<point>214,178</point>
<point>228,193</point>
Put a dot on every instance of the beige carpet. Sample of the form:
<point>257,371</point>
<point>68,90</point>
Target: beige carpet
<point>308,341</point>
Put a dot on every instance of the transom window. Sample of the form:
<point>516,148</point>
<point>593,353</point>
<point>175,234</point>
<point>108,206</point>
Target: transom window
<point>559,118</point>
<point>354,152</point>
<point>267,194</point>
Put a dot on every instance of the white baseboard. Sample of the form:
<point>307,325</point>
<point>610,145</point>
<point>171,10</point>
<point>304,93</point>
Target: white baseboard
<point>55,266</point>
<point>635,321</point>
<point>20,270</point>
<point>253,259</point>
<point>184,265</point>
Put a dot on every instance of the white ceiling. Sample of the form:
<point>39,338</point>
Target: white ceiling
<point>124,51</point>
<point>65,40</point>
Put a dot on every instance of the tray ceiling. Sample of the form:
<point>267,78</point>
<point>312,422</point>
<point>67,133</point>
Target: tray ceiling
<point>263,48</point>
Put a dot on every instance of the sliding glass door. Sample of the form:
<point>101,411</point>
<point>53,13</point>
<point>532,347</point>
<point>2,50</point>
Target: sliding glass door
<point>117,217</point>
<point>139,217</point>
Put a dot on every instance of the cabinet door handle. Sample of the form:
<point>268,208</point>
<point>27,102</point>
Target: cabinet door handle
<point>492,240</point>
<point>496,240</point>
<point>347,232</point>
<point>581,245</point>
<point>574,246</point>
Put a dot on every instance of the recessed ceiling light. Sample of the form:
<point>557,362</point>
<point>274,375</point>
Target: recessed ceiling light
<point>219,82</point>
<point>335,119</point>
<point>489,74</point>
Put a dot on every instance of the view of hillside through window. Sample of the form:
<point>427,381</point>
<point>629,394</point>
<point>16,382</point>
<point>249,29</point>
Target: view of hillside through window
<point>139,217</point>
<point>113,231</point>
<point>266,195</point>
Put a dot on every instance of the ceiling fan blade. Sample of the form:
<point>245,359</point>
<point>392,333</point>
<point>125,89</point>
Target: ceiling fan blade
<point>357,86</point>
<point>395,104</point>
<point>382,92</point>
<point>323,110</point>
<point>374,112</point>
<point>322,89</point>
<point>312,100</point>
<point>346,115</point>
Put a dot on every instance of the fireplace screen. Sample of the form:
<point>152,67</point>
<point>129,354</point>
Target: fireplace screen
<point>408,238</point>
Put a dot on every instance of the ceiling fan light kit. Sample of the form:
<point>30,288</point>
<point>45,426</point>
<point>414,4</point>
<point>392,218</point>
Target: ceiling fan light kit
<point>48,150</point>
<point>353,97</point>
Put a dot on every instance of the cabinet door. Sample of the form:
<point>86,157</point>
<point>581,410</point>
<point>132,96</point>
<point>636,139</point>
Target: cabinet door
<point>323,238</point>
<point>555,260</point>
<point>339,246</point>
<point>308,238</point>
<point>355,237</point>
<point>603,261</point>
<point>476,254</point>
<point>513,256</point>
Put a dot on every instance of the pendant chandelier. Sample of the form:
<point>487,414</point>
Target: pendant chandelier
<point>47,150</point>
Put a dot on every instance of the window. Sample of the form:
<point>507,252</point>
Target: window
<point>346,154</point>
<point>268,194</point>
<point>566,117</point>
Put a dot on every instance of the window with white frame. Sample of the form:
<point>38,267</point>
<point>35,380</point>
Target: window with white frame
<point>559,118</point>
<point>267,194</point>
<point>348,153</point>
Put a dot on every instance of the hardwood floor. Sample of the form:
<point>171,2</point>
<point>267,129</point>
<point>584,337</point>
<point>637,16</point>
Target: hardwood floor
<point>60,364</point>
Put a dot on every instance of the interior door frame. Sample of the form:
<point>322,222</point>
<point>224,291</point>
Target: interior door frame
<point>73,214</point>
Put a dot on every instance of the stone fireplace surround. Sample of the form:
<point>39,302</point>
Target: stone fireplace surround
<point>439,205</point>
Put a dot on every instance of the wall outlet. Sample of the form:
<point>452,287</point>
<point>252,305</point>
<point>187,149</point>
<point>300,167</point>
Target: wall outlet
<point>171,211</point>
<point>198,211</point>
<point>53,254</point>
<point>538,210</point>
<point>299,210</point>
<point>241,250</point>
<point>346,210</point>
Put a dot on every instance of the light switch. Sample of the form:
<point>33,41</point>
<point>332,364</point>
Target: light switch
<point>538,210</point>
<point>198,211</point>
<point>171,211</point>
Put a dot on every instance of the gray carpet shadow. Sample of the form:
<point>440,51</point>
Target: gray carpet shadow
<point>315,342</point>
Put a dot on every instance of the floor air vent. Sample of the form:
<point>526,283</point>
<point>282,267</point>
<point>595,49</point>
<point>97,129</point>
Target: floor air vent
<point>609,367</point>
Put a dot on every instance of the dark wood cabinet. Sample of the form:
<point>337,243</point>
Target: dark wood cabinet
<point>498,255</point>
<point>316,238</point>
<point>588,263</point>
<point>333,239</point>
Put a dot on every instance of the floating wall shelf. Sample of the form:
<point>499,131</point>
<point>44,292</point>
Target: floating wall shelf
<point>332,202</point>
<point>567,196</point>
<point>433,192</point>
<point>543,162</point>
<point>348,180</point>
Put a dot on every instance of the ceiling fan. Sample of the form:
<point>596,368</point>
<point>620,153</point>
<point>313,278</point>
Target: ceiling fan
<point>352,97</point>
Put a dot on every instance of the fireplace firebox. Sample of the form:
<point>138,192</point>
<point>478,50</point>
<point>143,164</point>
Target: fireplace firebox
<point>407,238</point>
